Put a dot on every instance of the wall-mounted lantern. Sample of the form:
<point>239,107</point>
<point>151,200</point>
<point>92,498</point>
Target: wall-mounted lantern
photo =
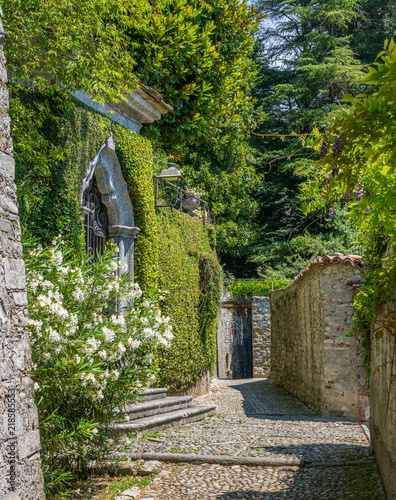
<point>169,182</point>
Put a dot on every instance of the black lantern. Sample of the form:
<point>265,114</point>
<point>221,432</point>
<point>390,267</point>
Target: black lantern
<point>169,182</point>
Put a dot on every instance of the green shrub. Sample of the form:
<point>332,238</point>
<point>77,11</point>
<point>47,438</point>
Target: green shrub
<point>88,361</point>
<point>245,290</point>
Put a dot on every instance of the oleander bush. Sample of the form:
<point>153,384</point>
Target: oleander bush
<point>92,352</point>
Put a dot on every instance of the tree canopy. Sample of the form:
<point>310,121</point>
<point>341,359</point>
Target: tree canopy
<point>309,55</point>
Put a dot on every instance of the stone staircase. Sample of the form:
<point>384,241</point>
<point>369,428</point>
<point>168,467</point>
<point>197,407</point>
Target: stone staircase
<point>156,411</point>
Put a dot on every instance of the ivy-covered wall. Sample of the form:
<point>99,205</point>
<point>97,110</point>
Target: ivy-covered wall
<point>55,137</point>
<point>190,278</point>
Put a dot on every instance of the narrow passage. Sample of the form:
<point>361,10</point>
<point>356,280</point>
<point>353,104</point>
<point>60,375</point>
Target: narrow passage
<point>257,420</point>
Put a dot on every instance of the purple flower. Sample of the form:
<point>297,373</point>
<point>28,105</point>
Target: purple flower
<point>288,212</point>
<point>367,193</point>
<point>335,169</point>
<point>337,146</point>
<point>368,209</point>
<point>311,198</point>
<point>359,191</point>
<point>323,149</point>
<point>347,198</point>
<point>331,213</point>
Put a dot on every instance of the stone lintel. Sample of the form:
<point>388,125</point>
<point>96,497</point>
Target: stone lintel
<point>123,232</point>
<point>143,105</point>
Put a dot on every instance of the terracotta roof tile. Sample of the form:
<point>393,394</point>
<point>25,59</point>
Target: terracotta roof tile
<point>353,260</point>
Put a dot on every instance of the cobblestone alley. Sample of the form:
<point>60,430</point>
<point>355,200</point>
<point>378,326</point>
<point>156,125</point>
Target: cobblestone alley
<point>262,444</point>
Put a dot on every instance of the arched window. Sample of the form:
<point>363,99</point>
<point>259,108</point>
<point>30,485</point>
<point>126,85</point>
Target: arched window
<point>95,220</point>
<point>106,206</point>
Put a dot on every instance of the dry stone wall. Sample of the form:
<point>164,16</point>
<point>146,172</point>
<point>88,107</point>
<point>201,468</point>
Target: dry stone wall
<point>312,354</point>
<point>261,337</point>
<point>383,396</point>
<point>20,468</point>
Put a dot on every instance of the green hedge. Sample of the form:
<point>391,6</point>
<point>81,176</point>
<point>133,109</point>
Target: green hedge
<point>245,290</point>
<point>55,137</point>
<point>190,279</point>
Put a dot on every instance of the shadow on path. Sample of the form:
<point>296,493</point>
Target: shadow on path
<point>265,401</point>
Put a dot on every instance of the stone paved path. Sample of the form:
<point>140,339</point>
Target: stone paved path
<point>256,420</point>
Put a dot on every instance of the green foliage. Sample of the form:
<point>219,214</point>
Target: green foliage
<point>198,56</point>
<point>245,290</point>
<point>87,361</point>
<point>191,282</point>
<point>49,194</point>
<point>306,65</point>
<point>82,45</point>
<point>55,137</point>
<point>358,167</point>
<point>136,158</point>
<point>225,173</point>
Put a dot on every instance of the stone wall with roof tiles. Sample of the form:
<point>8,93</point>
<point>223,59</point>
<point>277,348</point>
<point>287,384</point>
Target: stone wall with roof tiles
<point>20,467</point>
<point>313,354</point>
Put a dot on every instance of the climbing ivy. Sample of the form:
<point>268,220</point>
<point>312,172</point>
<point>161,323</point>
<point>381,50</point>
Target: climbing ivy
<point>190,280</point>
<point>55,137</point>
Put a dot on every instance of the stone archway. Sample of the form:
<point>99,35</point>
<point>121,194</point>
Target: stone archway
<point>106,169</point>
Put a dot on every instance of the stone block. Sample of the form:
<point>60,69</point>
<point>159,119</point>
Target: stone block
<point>29,444</point>
<point>20,298</point>
<point>5,225</point>
<point>150,467</point>
<point>7,166</point>
<point>133,492</point>
<point>14,272</point>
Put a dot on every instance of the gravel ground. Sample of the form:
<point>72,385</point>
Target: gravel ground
<point>257,420</point>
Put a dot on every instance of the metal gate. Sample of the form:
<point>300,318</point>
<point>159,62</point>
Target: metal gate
<point>95,221</point>
<point>234,341</point>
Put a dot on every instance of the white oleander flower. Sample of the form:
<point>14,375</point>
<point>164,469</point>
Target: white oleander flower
<point>78,294</point>
<point>135,344</point>
<point>149,332</point>
<point>47,285</point>
<point>112,266</point>
<point>118,320</point>
<point>53,334</point>
<point>35,324</point>
<point>43,301</point>
<point>102,354</point>
<point>92,345</point>
<point>149,358</point>
<point>56,257</point>
<point>121,348</point>
<point>109,335</point>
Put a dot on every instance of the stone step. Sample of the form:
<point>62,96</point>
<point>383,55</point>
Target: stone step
<point>156,406</point>
<point>169,419</point>
<point>150,394</point>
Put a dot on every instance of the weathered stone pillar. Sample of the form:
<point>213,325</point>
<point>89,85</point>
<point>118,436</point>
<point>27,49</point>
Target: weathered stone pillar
<point>261,337</point>
<point>20,466</point>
